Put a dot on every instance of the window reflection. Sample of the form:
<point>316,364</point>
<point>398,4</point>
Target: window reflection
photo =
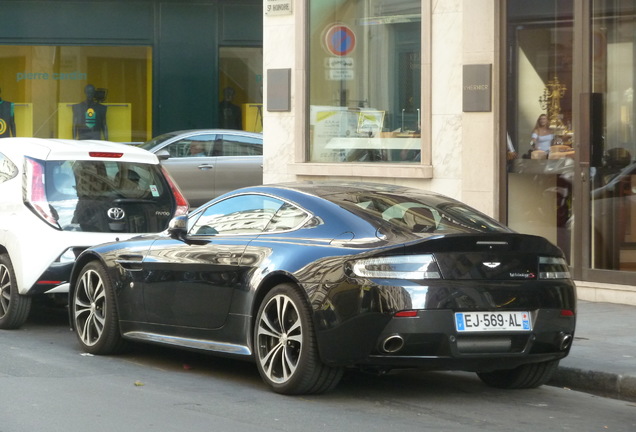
<point>539,111</point>
<point>365,86</point>
<point>244,214</point>
<point>613,147</point>
<point>287,218</point>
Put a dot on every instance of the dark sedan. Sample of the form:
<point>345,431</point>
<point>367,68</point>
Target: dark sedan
<point>309,279</point>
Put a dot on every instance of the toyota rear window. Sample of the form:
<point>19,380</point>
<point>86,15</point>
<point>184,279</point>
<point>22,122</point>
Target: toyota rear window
<point>108,196</point>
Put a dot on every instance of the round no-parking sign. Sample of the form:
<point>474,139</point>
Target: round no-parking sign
<point>340,40</point>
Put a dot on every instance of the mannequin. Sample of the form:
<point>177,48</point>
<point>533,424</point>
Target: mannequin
<point>89,117</point>
<point>230,114</point>
<point>7,118</point>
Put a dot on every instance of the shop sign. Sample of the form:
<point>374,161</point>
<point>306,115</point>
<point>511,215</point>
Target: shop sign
<point>477,88</point>
<point>278,7</point>
<point>278,89</point>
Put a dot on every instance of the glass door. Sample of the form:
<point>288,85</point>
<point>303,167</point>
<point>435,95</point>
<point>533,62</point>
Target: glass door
<point>540,135</point>
<point>241,88</point>
<point>571,144</point>
<point>611,175</point>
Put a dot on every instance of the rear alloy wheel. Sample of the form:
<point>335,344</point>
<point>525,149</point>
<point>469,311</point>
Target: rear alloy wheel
<point>285,345</point>
<point>527,376</point>
<point>14,307</point>
<point>94,311</point>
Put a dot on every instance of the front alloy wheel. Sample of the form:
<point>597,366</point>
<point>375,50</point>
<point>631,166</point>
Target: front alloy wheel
<point>285,345</point>
<point>14,307</point>
<point>94,311</point>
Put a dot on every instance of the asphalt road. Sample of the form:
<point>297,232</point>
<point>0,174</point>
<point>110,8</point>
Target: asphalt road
<point>47,384</point>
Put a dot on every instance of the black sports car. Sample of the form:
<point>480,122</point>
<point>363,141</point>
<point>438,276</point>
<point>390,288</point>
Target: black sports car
<point>308,279</point>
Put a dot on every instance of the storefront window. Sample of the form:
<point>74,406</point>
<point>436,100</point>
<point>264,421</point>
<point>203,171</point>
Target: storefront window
<point>539,112</point>
<point>541,179</point>
<point>76,92</point>
<point>241,88</point>
<point>612,171</point>
<point>365,81</point>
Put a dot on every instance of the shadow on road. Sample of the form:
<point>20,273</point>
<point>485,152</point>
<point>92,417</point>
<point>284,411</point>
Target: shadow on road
<point>53,317</point>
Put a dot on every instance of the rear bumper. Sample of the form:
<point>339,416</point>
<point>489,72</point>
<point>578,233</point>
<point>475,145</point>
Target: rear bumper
<point>54,279</point>
<point>430,341</point>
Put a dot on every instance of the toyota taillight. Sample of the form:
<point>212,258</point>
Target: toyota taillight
<point>34,192</point>
<point>182,203</point>
<point>111,155</point>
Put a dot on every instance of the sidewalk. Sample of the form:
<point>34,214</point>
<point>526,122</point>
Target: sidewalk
<point>602,360</point>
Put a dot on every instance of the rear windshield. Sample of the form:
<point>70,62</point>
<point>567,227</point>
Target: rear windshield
<point>418,213</point>
<point>108,196</point>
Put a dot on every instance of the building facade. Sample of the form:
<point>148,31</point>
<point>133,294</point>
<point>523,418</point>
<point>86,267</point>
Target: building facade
<point>447,95</point>
<point>127,70</point>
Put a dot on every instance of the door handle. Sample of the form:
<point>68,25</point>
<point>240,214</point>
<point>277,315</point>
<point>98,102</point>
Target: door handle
<point>205,167</point>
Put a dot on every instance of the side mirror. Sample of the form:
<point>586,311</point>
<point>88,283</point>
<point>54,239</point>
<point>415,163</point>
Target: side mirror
<point>163,155</point>
<point>178,227</point>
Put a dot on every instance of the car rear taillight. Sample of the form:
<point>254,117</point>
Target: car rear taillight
<point>406,314</point>
<point>35,191</point>
<point>182,202</point>
<point>553,268</point>
<point>397,267</point>
<point>112,155</point>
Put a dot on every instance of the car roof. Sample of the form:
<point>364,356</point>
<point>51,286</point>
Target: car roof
<point>317,197</point>
<point>214,131</point>
<point>326,188</point>
<point>301,192</point>
<point>66,149</point>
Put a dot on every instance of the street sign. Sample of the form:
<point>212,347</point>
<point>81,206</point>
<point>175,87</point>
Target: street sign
<point>340,40</point>
<point>278,7</point>
<point>339,63</point>
<point>340,74</point>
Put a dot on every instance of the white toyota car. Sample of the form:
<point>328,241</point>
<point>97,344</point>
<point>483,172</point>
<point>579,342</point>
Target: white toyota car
<point>58,197</point>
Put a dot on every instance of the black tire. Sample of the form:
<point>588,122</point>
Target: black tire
<point>285,345</point>
<point>14,307</point>
<point>523,377</point>
<point>94,311</point>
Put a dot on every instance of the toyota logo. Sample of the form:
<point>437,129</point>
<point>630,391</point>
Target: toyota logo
<point>116,213</point>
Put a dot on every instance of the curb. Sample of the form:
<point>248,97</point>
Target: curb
<point>603,384</point>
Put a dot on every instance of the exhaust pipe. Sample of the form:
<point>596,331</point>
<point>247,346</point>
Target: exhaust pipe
<point>565,340</point>
<point>392,344</point>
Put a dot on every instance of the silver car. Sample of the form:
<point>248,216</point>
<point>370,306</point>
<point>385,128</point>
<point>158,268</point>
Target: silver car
<point>206,163</point>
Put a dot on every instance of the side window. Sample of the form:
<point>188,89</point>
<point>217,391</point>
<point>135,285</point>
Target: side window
<point>8,170</point>
<point>234,145</point>
<point>243,214</point>
<point>192,146</point>
<point>287,218</point>
<point>418,217</point>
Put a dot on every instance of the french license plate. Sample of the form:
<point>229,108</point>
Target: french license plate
<point>492,321</point>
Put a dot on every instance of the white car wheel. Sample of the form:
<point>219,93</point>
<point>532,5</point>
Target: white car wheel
<point>14,307</point>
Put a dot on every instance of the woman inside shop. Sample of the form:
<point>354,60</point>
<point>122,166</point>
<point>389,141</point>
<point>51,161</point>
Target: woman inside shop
<point>542,135</point>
